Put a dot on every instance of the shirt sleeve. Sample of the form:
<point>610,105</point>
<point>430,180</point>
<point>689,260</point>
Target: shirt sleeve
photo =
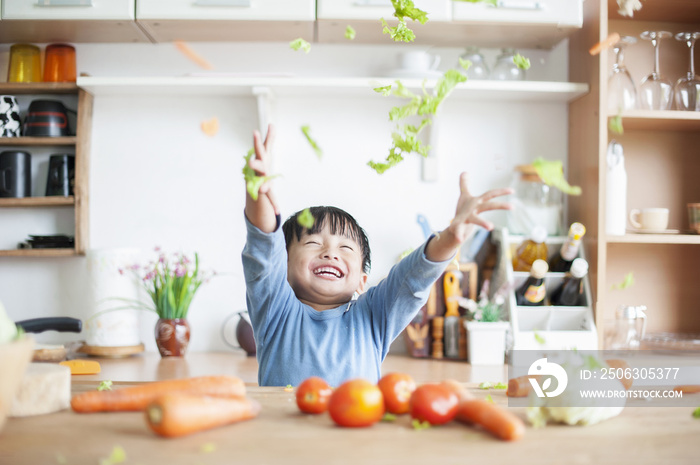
<point>265,270</point>
<point>396,300</point>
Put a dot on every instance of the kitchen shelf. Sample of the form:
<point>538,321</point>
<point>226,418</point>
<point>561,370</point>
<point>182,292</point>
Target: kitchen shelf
<point>354,86</point>
<point>38,141</point>
<point>654,239</point>
<point>38,253</point>
<point>55,201</point>
<point>672,11</point>
<point>25,88</point>
<point>654,120</point>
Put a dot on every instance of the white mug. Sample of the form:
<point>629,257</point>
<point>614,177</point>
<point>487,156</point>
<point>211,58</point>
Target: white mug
<point>649,218</point>
<point>9,116</point>
<point>418,61</point>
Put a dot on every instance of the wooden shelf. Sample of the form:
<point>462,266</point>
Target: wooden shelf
<point>54,201</point>
<point>234,85</point>
<point>35,141</point>
<point>672,11</point>
<point>38,253</point>
<point>654,239</point>
<point>24,88</point>
<point>654,120</point>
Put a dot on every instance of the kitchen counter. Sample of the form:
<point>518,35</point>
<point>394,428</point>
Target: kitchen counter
<point>280,434</point>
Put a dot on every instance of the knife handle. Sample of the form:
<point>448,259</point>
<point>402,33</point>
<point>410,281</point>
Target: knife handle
<point>59,323</point>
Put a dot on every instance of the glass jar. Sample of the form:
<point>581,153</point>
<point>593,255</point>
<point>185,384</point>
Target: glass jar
<point>534,204</point>
<point>505,68</point>
<point>478,69</point>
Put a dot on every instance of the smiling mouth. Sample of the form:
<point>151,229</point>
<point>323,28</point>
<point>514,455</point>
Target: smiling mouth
<point>328,272</point>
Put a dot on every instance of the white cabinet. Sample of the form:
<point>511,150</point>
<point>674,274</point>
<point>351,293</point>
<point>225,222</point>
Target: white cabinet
<point>257,10</point>
<point>41,21</point>
<point>68,9</point>
<point>227,20</point>
<point>561,13</point>
<point>438,10</point>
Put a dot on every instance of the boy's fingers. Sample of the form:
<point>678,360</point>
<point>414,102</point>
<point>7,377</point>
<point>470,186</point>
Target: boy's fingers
<point>463,183</point>
<point>494,206</point>
<point>258,166</point>
<point>259,147</point>
<point>270,137</point>
<point>477,220</point>
<point>496,193</point>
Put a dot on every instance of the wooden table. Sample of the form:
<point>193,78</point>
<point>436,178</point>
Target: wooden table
<point>283,435</point>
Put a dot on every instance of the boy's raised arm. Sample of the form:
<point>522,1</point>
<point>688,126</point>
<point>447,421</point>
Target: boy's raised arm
<point>444,245</point>
<point>262,213</point>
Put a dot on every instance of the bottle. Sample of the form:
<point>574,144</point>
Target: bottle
<point>531,249</point>
<point>570,292</point>
<point>533,290</point>
<point>561,263</point>
<point>615,191</point>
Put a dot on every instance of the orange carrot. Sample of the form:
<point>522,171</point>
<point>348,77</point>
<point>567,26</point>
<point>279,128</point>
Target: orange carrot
<point>494,419</point>
<point>688,388</point>
<point>616,363</point>
<point>192,55</point>
<point>458,388</point>
<point>173,415</point>
<point>611,40</point>
<point>135,398</point>
<point>520,386</point>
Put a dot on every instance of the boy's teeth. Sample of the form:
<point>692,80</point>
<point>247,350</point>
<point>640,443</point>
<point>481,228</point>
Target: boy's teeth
<point>330,270</point>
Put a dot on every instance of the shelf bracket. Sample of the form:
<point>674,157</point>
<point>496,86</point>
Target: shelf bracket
<point>263,95</point>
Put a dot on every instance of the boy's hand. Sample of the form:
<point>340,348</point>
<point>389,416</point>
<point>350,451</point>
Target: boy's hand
<point>262,213</point>
<point>466,216</point>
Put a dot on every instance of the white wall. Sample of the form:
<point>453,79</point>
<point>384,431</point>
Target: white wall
<point>157,180</point>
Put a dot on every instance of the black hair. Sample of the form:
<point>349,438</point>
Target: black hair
<point>339,221</point>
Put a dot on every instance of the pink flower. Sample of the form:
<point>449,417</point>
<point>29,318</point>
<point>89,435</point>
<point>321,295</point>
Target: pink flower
<point>121,271</point>
<point>180,271</point>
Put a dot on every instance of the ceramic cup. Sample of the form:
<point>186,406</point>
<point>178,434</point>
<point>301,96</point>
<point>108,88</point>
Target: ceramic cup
<point>649,218</point>
<point>9,116</point>
<point>418,61</point>
<point>694,216</point>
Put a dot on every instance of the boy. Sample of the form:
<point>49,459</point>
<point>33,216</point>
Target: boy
<point>300,286</point>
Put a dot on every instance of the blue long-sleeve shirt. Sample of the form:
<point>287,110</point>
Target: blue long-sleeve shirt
<point>294,341</point>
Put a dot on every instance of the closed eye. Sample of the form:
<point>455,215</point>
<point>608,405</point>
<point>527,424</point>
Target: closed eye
<point>346,247</point>
<point>312,243</point>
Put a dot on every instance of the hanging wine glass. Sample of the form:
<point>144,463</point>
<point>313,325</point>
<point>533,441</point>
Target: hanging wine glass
<point>656,91</point>
<point>622,94</point>
<point>687,89</point>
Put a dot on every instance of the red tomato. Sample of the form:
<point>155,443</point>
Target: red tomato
<point>313,395</point>
<point>356,402</point>
<point>397,389</point>
<point>435,403</point>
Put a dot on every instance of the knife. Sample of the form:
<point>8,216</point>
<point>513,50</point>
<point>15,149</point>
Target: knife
<point>60,323</point>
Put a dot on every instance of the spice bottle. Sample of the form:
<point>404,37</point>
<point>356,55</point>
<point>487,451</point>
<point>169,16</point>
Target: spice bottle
<point>533,290</point>
<point>531,249</point>
<point>561,263</point>
<point>570,292</point>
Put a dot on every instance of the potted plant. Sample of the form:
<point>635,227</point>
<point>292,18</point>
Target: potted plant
<point>171,282</point>
<point>486,333</point>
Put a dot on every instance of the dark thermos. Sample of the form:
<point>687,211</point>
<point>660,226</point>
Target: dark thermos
<point>15,174</point>
<point>61,175</point>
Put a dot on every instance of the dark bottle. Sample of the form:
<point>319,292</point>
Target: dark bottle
<point>533,291</point>
<point>570,292</point>
<point>561,263</point>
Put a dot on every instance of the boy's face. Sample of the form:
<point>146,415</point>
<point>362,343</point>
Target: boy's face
<point>325,269</point>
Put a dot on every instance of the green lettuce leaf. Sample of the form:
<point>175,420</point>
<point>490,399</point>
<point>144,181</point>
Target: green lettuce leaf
<point>105,385</point>
<point>552,174</point>
<point>300,44</point>
<point>490,2</point>
<point>385,90</point>
<point>350,33</point>
<point>307,133</point>
<point>615,125</point>
<point>465,64</point>
<point>253,181</point>
<point>521,62</point>
<point>696,413</point>
<point>627,282</point>
<point>399,33</point>
<point>306,219</point>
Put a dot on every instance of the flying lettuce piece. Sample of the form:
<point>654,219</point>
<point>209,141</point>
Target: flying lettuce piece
<point>406,9</point>
<point>521,62</point>
<point>400,33</point>
<point>627,282</point>
<point>252,180</point>
<point>696,413</point>
<point>552,174</point>
<point>540,340</point>
<point>465,64</point>
<point>105,385</point>
<point>489,399</point>
<point>486,385</point>
<point>300,44</point>
<point>307,133</point>
<point>384,90</point>
<point>615,124</point>
<point>306,219</point>
<point>350,33</point>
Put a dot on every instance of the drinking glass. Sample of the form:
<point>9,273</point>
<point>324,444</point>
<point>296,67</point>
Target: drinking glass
<point>656,91</point>
<point>505,68</point>
<point>25,63</point>
<point>622,93</point>
<point>59,63</point>
<point>478,69</point>
<point>687,89</point>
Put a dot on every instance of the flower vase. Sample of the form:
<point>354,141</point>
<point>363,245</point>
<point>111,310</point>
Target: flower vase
<point>172,337</point>
<point>487,342</point>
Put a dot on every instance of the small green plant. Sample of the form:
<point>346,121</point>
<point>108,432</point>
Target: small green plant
<point>487,309</point>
